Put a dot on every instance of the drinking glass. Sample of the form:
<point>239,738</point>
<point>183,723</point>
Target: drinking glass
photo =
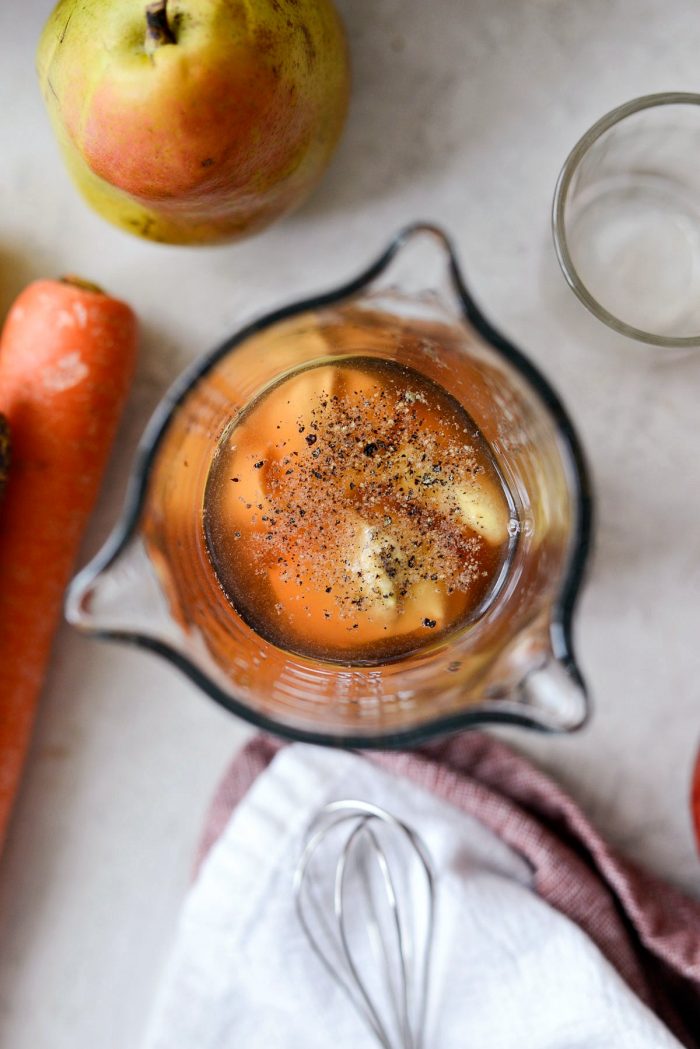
<point>626,219</point>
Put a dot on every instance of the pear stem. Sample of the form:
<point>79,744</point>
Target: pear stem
<point>79,282</point>
<point>158,29</point>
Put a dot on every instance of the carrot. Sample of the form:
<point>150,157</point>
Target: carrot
<point>695,799</point>
<point>67,356</point>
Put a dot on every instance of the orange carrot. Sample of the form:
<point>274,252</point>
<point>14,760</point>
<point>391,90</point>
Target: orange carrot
<point>67,356</point>
<point>695,799</point>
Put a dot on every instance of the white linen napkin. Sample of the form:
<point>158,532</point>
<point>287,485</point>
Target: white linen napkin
<point>508,971</point>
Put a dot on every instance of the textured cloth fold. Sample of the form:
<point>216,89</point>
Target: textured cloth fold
<point>647,929</point>
<point>511,970</point>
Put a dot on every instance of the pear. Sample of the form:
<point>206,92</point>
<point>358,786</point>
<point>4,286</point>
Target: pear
<point>485,510</point>
<point>195,121</point>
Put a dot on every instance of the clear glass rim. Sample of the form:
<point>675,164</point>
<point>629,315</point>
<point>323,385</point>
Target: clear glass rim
<point>561,193</point>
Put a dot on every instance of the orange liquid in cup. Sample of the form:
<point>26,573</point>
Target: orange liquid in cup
<point>354,512</point>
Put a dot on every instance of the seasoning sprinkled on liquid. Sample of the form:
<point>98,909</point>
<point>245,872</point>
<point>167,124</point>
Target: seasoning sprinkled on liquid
<point>390,529</point>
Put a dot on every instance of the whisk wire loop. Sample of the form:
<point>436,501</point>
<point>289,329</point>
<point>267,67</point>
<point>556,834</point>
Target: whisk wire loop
<point>366,855</point>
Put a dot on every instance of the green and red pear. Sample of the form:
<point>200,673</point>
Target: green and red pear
<point>195,121</point>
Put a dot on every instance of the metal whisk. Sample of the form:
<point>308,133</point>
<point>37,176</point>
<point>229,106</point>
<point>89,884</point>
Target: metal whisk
<point>365,896</point>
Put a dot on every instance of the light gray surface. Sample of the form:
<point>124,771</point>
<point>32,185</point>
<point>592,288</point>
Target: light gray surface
<point>463,111</point>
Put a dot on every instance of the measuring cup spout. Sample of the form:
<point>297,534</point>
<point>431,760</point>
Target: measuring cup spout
<point>555,695</point>
<point>421,264</point>
<point>120,596</point>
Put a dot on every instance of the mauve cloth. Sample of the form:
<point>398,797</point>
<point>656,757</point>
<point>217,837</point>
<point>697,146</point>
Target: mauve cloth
<point>647,929</point>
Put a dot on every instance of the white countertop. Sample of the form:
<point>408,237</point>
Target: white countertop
<point>462,113</point>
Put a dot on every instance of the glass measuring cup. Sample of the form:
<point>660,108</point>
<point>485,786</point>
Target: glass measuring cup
<point>152,585</point>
